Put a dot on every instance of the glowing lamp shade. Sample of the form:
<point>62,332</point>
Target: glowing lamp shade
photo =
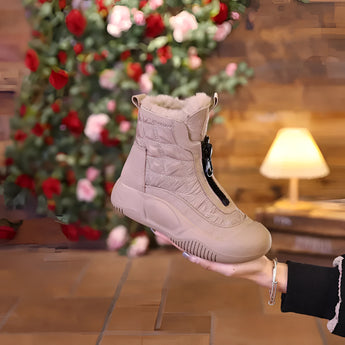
<point>294,154</point>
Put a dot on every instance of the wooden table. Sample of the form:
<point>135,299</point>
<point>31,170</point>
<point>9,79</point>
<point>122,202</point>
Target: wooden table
<point>319,230</point>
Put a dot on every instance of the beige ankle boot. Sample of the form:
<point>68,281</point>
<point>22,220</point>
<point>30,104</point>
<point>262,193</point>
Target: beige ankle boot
<point>167,183</point>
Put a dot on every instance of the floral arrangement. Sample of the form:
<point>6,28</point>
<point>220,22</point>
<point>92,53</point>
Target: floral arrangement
<point>74,123</point>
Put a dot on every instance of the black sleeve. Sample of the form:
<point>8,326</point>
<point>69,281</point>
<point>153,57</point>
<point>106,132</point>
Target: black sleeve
<point>316,291</point>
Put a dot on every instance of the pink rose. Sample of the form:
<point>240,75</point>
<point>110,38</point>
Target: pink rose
<point>119,20</point>
<point>139,17</point>
<point>154,4</point>
<point>150,69</point>
<point>85,190</point>
<point>182,24</point>
<point>107,79</point>
<point>145,83</point>
<point>92,173</point>
<point>124,126</point>
<point>111,106</point>
<point>235,15</point>
<point>138,246</point>
<point>223,30</point>
<point>194,60</point>
<point>230,69</point>
<point>117,237</point>
<point>94,126</point>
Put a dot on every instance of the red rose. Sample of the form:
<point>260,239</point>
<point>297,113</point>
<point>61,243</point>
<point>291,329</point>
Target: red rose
<point>19,135</point>
<point>36,33</point>
<point>98,57</point>
<point>125,55</point>
<point>31,60</point>
<point>9,161</point>
<point>84,68</point>
<point>43,1</point>
<point>22,110</point>
<point>62,57</point>
<point>49,140</point>
<point>90,233</point>
<point>222,15</point>
<point>78,48</point>
<point>51,186</point>
<point>51,205</point>
<point>149,57</point>
<point>108,186</point>
<point>38,129</point>
<point>101,7</point>
<point>6,232</point>
<point>70,177</point>
<point>58,79</point>
<point>76,22</point>
<point>73,123</point>
<point>108,141</point>
<point>55,107</point>
<point>142,3</point>
<point>71,231</point>
<point>134,70</point>
<point>62,4</point>
<point>25,181</point>
<point>154,25</point>
<point>120,118</point>
<point>164,54</point>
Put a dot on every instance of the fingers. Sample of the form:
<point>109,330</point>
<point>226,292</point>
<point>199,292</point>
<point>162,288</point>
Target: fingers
<point>225,269</point>
<point>158,234</point>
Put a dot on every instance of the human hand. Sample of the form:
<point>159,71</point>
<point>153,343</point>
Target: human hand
<point>249,270</point>
<point>258,270</point>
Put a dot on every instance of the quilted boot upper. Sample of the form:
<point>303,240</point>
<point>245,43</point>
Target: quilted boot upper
<point>172,137</point>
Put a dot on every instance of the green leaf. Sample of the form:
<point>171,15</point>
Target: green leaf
<point>45,10</point>
<point>218,120</point>
<point>20,199</point>
<point>41,205</point>
<point>157,43</point>
<point>63,218</point>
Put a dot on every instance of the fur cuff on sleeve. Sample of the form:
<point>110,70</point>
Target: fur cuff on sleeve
<point>336,325</point>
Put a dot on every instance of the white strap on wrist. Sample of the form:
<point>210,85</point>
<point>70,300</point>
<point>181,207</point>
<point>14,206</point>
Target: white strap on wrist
<point>273,290</point>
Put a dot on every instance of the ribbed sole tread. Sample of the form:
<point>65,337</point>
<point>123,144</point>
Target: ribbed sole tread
<point>196,248</point>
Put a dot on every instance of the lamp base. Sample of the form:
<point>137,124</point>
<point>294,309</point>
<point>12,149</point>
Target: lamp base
<point>288,205</point>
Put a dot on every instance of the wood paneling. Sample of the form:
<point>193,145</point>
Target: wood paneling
<point>298,53</point>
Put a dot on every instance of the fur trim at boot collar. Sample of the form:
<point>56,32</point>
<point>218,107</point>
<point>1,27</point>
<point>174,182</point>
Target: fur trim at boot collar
<point>175,108</point>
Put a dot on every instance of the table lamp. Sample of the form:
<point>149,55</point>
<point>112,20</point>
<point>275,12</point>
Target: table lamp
<point>294,155</point>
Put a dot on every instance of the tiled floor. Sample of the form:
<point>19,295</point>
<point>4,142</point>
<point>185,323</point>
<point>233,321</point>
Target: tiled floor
<point>75,297</point>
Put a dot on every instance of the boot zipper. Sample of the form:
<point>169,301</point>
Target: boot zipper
<point>206,149</point>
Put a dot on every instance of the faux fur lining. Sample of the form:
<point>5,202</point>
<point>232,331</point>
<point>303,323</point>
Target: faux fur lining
<point>331,324</point>
<point>175,108</point>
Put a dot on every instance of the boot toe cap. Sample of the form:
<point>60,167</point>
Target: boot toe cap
<point>251,242</point>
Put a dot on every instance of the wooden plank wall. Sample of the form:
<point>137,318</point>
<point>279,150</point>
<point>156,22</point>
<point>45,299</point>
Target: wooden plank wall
<point>298,53</point>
